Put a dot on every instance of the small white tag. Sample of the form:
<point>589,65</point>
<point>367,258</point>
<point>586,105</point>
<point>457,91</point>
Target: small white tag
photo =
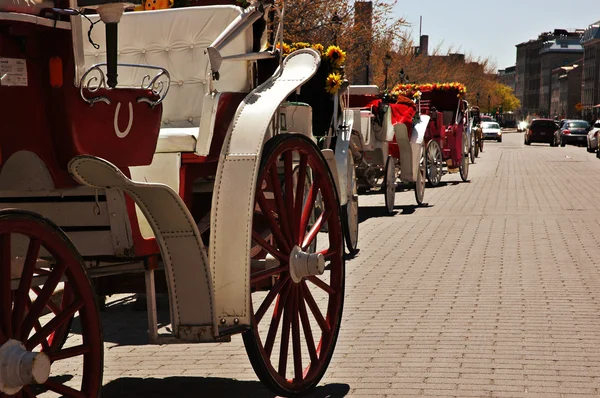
<point>13,72</point>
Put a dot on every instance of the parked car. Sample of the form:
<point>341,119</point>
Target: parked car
<point>592,138</point>
<point>491,131</point>
<point>522,126</point>
<point>573,132</point>
<point>541,131</point>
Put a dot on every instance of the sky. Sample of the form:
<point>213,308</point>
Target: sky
<point>492,29</point>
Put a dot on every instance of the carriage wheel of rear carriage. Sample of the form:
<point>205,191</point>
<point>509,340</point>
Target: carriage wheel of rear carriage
<point>472,146</point>
<point>464,164</point>
<point>481,140</point>
<point>435,163</point>
<point>36,257</point>
<point>421,178</point>
<point>476,144</point>
<point>389,184</point>
<point>297,288</point>
<point>350,210</point>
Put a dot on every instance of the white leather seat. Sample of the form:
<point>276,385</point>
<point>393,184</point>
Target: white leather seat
<point>176,39</point>
<point>177,140</point>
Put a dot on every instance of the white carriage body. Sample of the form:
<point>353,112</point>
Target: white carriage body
<point>209,288</point>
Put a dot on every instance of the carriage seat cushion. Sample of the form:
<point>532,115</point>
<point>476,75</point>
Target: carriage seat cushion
<point>175,39</point>
<point>25,6</point>
<point>172,140</point>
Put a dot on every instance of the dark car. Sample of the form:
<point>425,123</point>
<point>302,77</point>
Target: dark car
<point>573,132</point>
<point>541,131</point>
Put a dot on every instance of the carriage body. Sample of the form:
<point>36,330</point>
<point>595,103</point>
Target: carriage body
<point>183,169</point>
<point>387,142</point>
<point>447,135</point>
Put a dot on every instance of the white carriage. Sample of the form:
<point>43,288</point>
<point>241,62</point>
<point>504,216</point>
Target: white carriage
<point>387,142</point>
<point>99,176</point>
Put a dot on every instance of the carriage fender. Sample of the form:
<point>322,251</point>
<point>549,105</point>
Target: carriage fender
<point>410,148</point>
<point>233,197</point>
<point>342,146</point>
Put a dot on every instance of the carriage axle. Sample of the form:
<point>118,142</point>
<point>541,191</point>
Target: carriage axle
<point>19,367</point>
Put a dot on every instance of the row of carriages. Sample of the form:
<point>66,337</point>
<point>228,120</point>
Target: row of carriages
<point>201,166</point>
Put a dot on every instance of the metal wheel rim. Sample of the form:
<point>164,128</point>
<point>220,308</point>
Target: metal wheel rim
<point>352,204</point>
<point>24,321</point>
<point>421,177</point>
<point>434,163</point>
<point>289,302</point>
<point>390,184</point>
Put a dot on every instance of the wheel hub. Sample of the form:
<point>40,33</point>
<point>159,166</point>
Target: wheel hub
<point>19,367</point>
<point>304,264</point>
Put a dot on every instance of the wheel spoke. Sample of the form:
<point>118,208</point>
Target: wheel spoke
<point>329,254</point>
<point>275,229</point>
<point>289,193</point>
<point>267,273</point>
<point>27,393</point>
<point>319,283</point>
<point>53,307</point>
<point>277,313</point>
<point>25,284</point>
<point>69,353</point>
<point>314,308</point>
<point>281,283</point>
<point>310,341</point>
<point>312,234</point>
<point>62,389</point>
<point>296,337</point>
<point>54,324</point>
<point>42,299</point>
<point>5,282</point>
<point>281,209</point>
<point>285,333</point>
<point>307,210</point>
<point>268,247</point>
<point>298,206</point>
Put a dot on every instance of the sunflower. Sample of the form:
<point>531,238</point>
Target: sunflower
<point>334,82</point>
<point>299,45</point>
<point>286,48</point>
<point>319,48</point>
<point>336,56</point>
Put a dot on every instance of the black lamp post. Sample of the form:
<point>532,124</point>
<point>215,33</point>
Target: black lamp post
<point>490,104</point>
<point>387,61</point>
<point>477,97</point>
<point>336,21</point>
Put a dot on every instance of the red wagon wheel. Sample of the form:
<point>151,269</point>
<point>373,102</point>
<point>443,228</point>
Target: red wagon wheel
<point>32,327</point>
<point>297,287</point>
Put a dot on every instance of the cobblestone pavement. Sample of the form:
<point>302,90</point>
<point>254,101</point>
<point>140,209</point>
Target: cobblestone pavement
<point>491,290</point>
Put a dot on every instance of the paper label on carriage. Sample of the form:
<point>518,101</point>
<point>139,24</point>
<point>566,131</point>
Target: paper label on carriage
<point>13,72</point>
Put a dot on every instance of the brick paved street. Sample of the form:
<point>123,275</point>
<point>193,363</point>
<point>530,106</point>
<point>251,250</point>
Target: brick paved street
<point>492,290</point>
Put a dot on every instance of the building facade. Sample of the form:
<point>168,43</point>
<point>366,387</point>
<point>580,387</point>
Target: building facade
<point>508,77</point>
<point>566,91</point>
<point>536,59</point>
<point>564,49</point>
<point>590,89</point>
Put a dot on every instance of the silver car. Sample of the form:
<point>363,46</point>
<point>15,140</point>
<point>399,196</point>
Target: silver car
<point>491,131</point>
<point>592,137</point>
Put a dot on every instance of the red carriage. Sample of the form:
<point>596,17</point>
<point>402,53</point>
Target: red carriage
<point>446,139</point>
<point>102,173</point>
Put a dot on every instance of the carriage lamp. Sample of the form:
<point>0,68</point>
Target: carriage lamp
<point>111,14</point>
<point>387,61</point>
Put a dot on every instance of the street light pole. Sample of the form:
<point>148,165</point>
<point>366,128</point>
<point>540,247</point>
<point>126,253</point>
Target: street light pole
<point>477,97</point>
<point>387,61</point>
<point>490,104</point>
<point>336,21</point>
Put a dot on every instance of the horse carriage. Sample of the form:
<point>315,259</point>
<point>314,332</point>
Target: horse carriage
<point>446,139</point>
<point>387,143</point>
<point>477,138</point>
<point>102,174</point>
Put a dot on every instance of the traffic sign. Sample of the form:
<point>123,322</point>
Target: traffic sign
<point>579,106</point>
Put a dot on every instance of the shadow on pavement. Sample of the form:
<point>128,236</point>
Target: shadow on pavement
<point>193,387</point>
<point>366,213</point>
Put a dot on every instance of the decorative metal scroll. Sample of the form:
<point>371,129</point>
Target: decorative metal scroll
<point>94,79</point>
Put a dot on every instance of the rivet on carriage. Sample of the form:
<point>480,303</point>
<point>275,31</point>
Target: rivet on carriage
<point>102,173</point>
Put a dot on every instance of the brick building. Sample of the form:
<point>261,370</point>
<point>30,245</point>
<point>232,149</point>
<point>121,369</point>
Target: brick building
<point>536,59</point>
<point>508,77</point>
<point>566,91</point>
<point>591,72</point>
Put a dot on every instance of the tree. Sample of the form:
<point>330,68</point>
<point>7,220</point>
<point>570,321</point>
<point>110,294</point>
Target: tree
<point>505,97</point>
